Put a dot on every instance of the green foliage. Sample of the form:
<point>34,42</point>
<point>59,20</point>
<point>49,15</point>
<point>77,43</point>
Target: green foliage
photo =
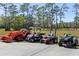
<point>19,21</point>
<point>36,16</point>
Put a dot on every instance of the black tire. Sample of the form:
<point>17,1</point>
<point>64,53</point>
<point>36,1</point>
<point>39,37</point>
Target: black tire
<point>76,42</point>
<point>56,40</point>
<point>31,40</point>
<point>41,41</point>
<point>68,45</point>
<point>16,39</point>
<point>60,43</point>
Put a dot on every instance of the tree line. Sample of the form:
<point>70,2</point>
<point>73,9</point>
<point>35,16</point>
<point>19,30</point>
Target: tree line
<point>36,16</point>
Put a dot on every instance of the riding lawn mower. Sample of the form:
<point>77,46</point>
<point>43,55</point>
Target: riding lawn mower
<point>51,39</point>
<point>15,36</point>
<point>34,37</point>
<point>68,41</point>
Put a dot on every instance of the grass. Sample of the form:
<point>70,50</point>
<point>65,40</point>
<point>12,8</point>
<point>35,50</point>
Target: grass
<point>3,32</point>
<point>59,32</point>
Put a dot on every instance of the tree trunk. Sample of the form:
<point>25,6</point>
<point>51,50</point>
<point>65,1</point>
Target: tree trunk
<point>24,20</point>
<point>7,28</point>
<point>56,26</point>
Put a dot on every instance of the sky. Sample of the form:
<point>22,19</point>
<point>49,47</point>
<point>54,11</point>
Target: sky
<point>69,16</point>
